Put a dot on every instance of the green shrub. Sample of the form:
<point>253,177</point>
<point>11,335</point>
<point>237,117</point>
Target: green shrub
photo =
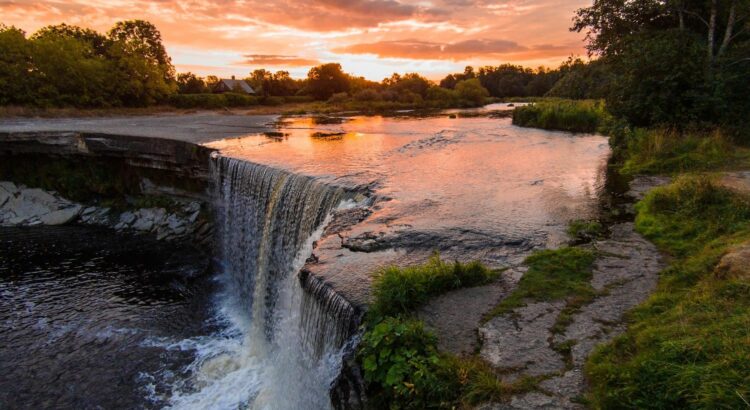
<point>403,367</point>
<point>404,370</point>
<point>298,99</point>
<point>398,290</point>
<point>563,115</point>
<point>212,101</point>
<point>688,346</point>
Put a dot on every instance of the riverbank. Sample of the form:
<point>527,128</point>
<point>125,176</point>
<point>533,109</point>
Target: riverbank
<point>279,107</point>
<point>686,344</point>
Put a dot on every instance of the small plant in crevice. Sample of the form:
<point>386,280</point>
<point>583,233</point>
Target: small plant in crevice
<point>583,231</point>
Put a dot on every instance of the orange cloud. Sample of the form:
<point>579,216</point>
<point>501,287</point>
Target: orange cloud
<point>369,37</point>
<point>277,60</point>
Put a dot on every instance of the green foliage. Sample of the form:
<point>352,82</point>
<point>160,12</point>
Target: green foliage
<point>688,346</point>
<point>553,275</point>
<point>662,151</point>
<point>583,231</point>
<point>661,80</point>
<point>326,80</point>
<point>564,115</point>
<point>507,80</point>
<point>212,101</point>
<point>403,367</point>
<point>66,66</point>
<point>472,91</point>
<point>399,290</point>
<point>581,80</point>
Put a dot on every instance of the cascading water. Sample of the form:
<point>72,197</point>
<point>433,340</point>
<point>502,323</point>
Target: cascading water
<point>281,345</point>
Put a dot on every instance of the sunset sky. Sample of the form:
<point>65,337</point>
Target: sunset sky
<point>372,38</point>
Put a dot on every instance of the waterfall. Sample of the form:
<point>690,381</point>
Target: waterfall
<point>282,337</point>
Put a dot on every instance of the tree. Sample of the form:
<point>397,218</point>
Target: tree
<point>472,91</point>
<point>690,52</point>
<point>325,80</point>
<point>139,37</point>
<point>16,85</point>
<point>98,42</point>
<point>189,83</point>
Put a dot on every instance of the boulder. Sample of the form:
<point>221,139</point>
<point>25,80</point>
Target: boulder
<point>127,218</point>
<point>61,216</point>
<point>735,264</point>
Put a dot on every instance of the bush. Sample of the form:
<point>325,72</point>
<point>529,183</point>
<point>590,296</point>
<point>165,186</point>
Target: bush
<point>472,91</point>
<point>299,99</point>
<point>563,115</point>
<point>212,101</point>
<point>398,290</point>
<point>338,98</point>
<point>402,365</point>
<point>273,101</point>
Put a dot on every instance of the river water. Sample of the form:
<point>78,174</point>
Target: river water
<point>90,319</point>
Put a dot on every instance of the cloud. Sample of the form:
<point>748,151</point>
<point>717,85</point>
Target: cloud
<point>425,50</point>
<point>277,60</point>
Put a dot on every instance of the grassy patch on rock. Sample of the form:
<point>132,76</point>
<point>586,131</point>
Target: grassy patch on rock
<point>399,290</point>
<point>553,275</point>
<point>402,366</point>
<point>688,346</point>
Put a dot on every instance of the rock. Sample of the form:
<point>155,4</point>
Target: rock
<point>9,186</point>
<point>143,224</point>
<point>175,222</point>
<point>735,264</point>
<point>519,341</point>
<point>194,216</point>
<point>7,190</point>
<point>61,216</point>
<point>127,218</point>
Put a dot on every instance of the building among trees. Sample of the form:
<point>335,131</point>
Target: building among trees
<point>232,85</point>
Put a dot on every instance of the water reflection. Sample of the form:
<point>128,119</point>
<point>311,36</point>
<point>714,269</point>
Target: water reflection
<point>444,175</point>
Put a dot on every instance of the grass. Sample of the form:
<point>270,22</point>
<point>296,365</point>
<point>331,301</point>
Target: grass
<point>665,151</point>
<point>582,231</point>
<point>688,346</point>
<point>564,115</point>
<point>400,290</point>
<point>552,275</point>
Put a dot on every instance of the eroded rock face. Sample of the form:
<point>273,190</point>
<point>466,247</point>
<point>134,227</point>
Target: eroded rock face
<point>735,264</point>
<point>22,206</point>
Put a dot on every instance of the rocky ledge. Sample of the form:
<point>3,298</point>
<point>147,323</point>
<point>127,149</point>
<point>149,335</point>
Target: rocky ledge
<point>22,206</point>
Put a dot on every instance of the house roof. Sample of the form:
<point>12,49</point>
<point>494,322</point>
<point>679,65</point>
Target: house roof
<point>232,84</point>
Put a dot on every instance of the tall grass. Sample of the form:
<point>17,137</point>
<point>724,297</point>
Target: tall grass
<point>398,290</point>
<point>660,151</point>
<point>563,115</point>
<point>688,346</point>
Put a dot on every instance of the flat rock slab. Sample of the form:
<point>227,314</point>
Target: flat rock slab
<point>522,343</point>
<point>201,127</point>
<point>455,316</point>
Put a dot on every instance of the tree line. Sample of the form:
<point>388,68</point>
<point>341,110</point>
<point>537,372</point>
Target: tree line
<point>65,65</point>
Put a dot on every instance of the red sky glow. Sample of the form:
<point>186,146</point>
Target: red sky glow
<point>371,38</point>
